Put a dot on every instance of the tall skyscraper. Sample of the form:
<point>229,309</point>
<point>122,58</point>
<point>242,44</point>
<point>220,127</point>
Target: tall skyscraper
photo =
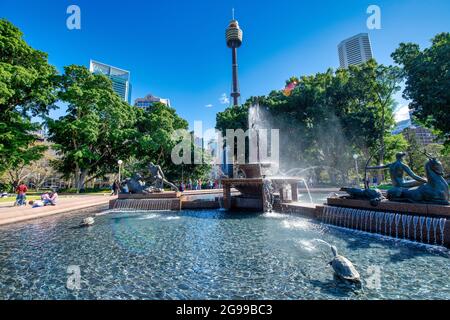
<point>355,50</point>
<point>149,100</point>
<point>119,77</point>
<point>234,41</point>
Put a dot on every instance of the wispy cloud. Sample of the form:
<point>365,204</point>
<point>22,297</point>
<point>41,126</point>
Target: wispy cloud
<point>402,113</point>
<point>209,105</point>
<point>224,99</point>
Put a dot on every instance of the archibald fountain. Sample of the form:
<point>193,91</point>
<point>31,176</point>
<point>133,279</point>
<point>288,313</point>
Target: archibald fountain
<point>258,181</point>
<point>414,209</point>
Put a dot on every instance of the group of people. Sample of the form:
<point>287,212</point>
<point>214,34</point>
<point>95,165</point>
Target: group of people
<point>199,185</point>
<point>47,199</point>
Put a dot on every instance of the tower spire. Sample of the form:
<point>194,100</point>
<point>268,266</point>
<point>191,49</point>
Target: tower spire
<point>234,41</point>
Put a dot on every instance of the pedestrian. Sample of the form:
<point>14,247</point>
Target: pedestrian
<point>115,188</point>
<point>375,181</point>
<point>21,195</point>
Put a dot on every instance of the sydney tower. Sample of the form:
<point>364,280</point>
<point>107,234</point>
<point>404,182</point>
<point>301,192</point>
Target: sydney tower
<point>234,41</point>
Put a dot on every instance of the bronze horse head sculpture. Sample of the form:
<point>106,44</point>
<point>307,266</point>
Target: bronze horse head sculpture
<point>435,191</point>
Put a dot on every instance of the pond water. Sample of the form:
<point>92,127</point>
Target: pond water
<point>209,255</point>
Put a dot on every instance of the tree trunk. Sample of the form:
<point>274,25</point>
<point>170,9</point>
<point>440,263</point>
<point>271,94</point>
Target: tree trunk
<point>382,144</point>
<point>81,180</point>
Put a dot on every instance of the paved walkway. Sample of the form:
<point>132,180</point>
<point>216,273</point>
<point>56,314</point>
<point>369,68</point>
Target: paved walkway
<point>10,214</point>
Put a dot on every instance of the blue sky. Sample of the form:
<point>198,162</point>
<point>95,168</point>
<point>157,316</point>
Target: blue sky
<point>176,49</point>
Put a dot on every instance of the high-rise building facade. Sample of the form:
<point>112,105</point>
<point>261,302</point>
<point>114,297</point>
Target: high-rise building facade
<point>355,50</point>
<point>119,77</point>
<point>149,100</point>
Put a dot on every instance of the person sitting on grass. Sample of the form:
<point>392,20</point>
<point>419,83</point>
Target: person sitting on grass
<point>50,198</point>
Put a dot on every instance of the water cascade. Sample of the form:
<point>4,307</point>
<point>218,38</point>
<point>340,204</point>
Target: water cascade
<point>145,204</point>
<point>268,195</point>
<point>307,189</point>
<point>424,229</point>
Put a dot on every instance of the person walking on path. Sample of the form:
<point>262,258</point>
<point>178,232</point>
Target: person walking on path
<point>21,195</point>
<point>115,188</point>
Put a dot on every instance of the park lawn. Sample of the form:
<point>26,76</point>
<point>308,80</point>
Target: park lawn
<point>12,199</point>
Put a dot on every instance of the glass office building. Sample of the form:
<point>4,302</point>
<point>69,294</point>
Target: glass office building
<point>119,77</point>
<point>355,50</point>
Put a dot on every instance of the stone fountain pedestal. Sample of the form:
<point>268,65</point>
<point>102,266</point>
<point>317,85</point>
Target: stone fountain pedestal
<point>250,184</point>
<point>167,200</point>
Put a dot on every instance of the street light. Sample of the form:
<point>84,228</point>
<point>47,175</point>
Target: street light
<point>120,166</point>
<point>355,156</point>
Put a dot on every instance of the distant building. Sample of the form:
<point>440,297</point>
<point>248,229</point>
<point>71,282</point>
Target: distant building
<point>149,101</point>
<point>199,142</point>
<point>423,135</point>
<point>212,149</point>
<point>355,50</point>
<point>119,77</point>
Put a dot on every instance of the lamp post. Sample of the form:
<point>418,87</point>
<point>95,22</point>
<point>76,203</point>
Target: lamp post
<point>120,167</point>
<point>355,156</point>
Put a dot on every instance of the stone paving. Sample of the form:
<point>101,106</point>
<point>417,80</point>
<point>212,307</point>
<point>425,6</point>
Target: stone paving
<point>11,214</point>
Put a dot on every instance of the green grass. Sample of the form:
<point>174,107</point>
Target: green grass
<point>37,195</point>
<point>12,199</point>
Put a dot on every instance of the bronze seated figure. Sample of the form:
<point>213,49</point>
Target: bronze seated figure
<point>433,190</point>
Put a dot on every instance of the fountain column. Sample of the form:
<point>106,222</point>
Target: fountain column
<point>294,190</point>
<point>227,196</point>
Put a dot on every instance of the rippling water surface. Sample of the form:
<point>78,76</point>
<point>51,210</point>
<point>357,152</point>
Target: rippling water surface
<point>210,255</point>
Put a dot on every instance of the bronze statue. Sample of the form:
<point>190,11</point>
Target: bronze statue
<point>135,184</point>
<point>397,170</point>
<point>434,191</point>
<point>157,179</point>
<point>374,196</point>
<point>152,183</point>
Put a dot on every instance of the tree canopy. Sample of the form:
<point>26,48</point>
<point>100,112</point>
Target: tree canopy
<point>428,83</point>
<point>154,141</point>
<point>96,131</point>
<point>330,116</point>
<point>27,88</point>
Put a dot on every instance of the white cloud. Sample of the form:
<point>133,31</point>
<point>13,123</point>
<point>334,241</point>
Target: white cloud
<point>224,99</point>
<point>402,113</point>
<point>209,105</point>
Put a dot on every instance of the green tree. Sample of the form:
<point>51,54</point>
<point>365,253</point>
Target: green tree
<point>153,142</point>
<point>27,89</point>
<point>97,129</point>
<point>427,82</point>
<point>414,152</point>
<point>375,85</point>
<point>330,116</point>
